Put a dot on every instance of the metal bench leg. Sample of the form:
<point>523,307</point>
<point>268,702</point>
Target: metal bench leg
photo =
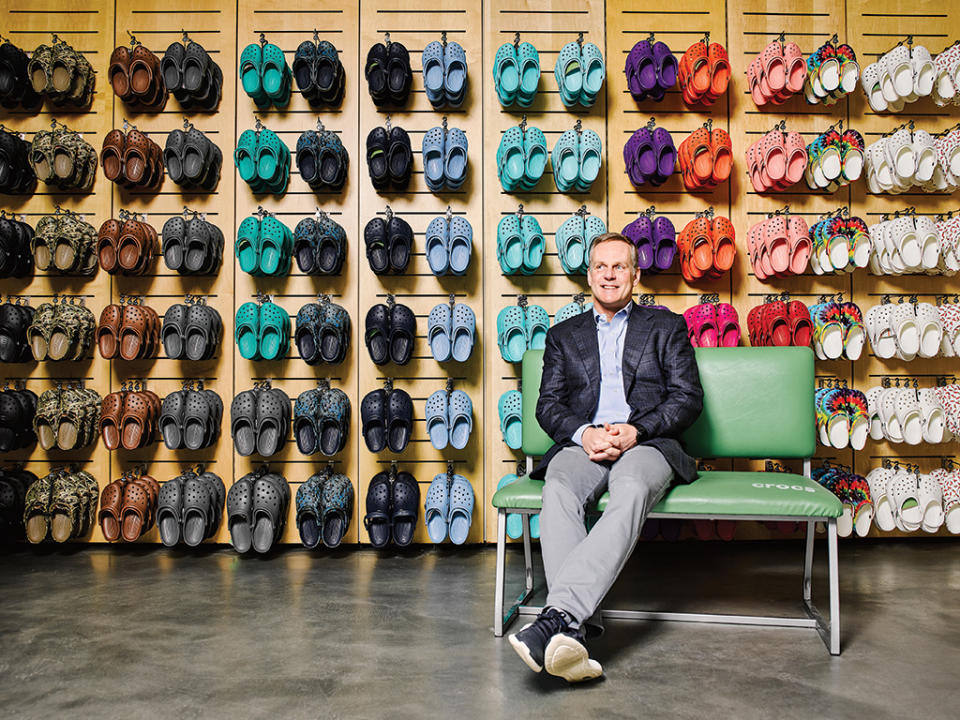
<point>527,554</point>
<point>501,562</point>
<point>808,563</point>
<point>502,619</point>
<point>834,646</point>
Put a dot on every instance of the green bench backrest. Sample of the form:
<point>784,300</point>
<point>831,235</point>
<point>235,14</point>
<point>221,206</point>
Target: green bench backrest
<point>758,402</point>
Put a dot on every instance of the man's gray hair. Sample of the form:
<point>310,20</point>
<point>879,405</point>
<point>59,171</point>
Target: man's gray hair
<point>615,237</point>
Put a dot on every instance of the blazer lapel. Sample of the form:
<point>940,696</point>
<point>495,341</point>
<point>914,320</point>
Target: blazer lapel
<point>586,336</point>
<point>638,332</point>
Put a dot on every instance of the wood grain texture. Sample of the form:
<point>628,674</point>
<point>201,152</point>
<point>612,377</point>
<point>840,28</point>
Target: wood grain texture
<point>225,28</point>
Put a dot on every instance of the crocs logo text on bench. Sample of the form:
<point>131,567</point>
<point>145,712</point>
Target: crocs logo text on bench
<point>782,486</point>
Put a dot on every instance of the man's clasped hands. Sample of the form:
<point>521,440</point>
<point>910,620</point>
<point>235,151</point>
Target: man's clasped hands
<point>608,442</point>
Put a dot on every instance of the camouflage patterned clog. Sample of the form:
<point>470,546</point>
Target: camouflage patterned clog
<point>38,68</point>
<point>36,510</point>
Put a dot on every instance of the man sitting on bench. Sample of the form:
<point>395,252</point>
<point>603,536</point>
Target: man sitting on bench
<point>619,385</point>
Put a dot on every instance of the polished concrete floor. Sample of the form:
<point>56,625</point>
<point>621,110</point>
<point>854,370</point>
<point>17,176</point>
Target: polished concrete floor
<point>140,633</point>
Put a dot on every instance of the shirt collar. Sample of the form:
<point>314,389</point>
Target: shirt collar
<point>624,312</point>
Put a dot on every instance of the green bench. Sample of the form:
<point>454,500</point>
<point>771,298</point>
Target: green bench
<point>758,403</point>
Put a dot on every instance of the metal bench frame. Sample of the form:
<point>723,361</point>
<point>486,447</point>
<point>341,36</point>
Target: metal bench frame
<point>829,631</point>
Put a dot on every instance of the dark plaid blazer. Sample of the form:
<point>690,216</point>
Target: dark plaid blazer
<point>660,379</point>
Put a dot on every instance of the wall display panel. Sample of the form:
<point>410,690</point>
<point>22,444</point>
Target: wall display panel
<point>490,114</point>
<point>287,27</point>
<point>873,31</point>
<point>752,26</point>
<point>549,29</point>
<point>88,28</point>
<point>418,288</point>
<point>157,26</point>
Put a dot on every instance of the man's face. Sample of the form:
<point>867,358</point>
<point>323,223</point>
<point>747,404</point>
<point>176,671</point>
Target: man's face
<point>610,275</point>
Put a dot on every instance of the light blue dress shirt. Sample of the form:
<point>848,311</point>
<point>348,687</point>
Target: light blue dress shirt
<point>612,407</point>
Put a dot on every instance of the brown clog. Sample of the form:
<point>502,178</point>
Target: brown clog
<point>136,156</point>
<point>111,500</point>
<point>111,155</point>
<point>130,244</point>
<point>108,331</point>
<point>153,332</point>
<point>134,511</point>
<point>153,405</point>
<point>119,73</point>
<point>153,495</point>
<point>133,420</point>
<point>144,67</point>
<point>107,239</point>
<point>110,413</point>
<point>133,332</point>
<point>152,248</point>
<point>156,166</point>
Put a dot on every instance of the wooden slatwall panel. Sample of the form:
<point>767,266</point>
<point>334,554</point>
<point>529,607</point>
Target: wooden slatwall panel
<point>872,30</point>
<point>418,288</point>
<point>753,24</point>
<point>88,27</point>
<point>156,25</point>
<point>287,25</point>
<point>744,27</point>
<point>548,28</point>
<point>680,27</point>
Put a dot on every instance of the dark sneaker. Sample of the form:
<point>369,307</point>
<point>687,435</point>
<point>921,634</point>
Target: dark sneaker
<point>532,640</point>
<point>550,643</point>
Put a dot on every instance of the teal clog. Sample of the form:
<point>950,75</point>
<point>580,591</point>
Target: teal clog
<point>275,247</point>
<point>244,157</point>
<point>509,244</point>
<point>529,60</point>
<point>594,72</point>
<point>590,153</point>
<point>594,227</point>
<point>568,72</point>
<point>506,74</point>
<point>273,71</point>
<point>511,333</point>
<point>511,159</point>
<point>509,407</point>
<point>535,156</point>
<point>566,161</point>
<point>248,331</point>
<point>537,322</point>
<point>571,245</point>
<point>534,244</point>
<point>274,339</point>
<point>250,61</point>
<point>247,247</point>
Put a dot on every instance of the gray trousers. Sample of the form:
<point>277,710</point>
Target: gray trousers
<point>582,567</point>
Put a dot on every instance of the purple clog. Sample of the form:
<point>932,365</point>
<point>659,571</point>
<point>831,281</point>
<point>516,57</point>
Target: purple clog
<point>640,233</point>
<point>664,242</point>
<point>666,66</point>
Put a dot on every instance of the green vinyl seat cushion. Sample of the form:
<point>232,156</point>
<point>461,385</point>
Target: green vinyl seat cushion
<point>715,492</point>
